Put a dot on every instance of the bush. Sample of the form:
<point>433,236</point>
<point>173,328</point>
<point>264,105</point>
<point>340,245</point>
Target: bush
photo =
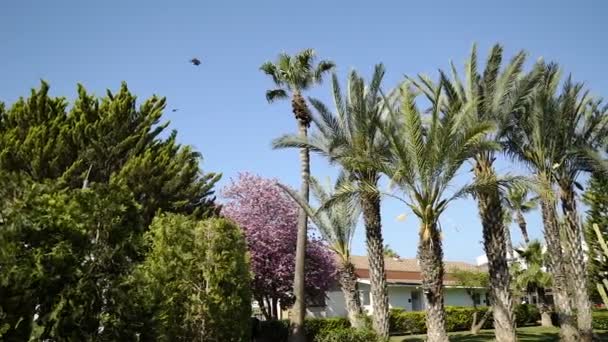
<point>347,335</point>
<point>187,254</point>
<point>600,320</point>
<point>316,326</point>
<point>402,322</point>
<point>278,331</point>
<point>414,322</point>
<point>274,331</point>
<point>526,314</point>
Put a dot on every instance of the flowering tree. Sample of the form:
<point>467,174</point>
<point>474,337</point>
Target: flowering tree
<point>268,217</point>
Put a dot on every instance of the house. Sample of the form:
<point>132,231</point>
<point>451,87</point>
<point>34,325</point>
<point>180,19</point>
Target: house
<point>404,288</point>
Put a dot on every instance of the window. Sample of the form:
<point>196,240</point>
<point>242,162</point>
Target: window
<point>364,297</point>
<point>476,299</point>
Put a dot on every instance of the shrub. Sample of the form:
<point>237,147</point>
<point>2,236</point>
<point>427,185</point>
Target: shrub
<point>347,335</point>
<point>526,314</point>
<point>600,320</point>
<point>187,255</point>
<point>315,326</point>
<point>274,331</point>
<point>278,331</point>
<point>401,322</point>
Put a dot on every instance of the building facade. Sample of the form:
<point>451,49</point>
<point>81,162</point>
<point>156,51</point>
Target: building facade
<point>404,288</point>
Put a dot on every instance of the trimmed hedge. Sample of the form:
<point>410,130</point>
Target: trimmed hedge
<point>457,318</point>
<point>278,331</point>
<point>404,322</point>
<point>347,335</point>
<point>316,326</point>
<point>600,320</point>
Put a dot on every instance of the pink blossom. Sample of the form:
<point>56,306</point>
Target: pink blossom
<point>268,216</point>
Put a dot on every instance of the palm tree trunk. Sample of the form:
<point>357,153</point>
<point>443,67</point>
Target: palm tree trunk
<point>476,327</point>
<point>370,206</point>
<point>508,243</point>
<point>578,281</point>
<point>430,256</point>
<point>568,331</point>
<point>543,308</point>
<point>491,212</point>
<point>521,221</point>
<point>299,308</point>
<point>350,289</point>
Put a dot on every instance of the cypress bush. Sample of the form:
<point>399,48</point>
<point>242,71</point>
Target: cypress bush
<point>198,273</point>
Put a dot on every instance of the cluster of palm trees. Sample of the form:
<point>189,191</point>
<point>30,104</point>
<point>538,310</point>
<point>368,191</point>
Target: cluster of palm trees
<point>501,109</point>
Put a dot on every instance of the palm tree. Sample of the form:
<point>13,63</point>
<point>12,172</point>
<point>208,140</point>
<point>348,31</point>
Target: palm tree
<point>293,75</point>
<point>352,138</point>
<point>582,129</point>
<point>530,139</point>
<point>532,277</point>
<point>337,224</point>
<point>494,94</point>
<point>518,203</point>
<point>424,161</point>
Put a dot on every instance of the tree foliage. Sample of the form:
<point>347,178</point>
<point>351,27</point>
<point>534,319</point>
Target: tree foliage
<point>268,217</point>
<point>106,140</point>
<point>63,254</point>
<point>197,274</point>
<point>596,198</point>
<point>80,185</point>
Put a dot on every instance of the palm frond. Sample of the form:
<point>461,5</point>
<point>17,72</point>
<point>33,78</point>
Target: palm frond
<point>275,94</point>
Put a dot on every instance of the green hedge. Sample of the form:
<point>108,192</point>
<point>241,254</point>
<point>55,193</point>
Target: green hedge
<point>346,335</point>
<point>457,318</point>
<point>600,320</point>
<point>526,314</point>
<point>402,322</point>
<point>414,322</point>
<point>278,331</point>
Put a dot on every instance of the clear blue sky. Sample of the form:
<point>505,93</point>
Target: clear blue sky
<point>222,109</point>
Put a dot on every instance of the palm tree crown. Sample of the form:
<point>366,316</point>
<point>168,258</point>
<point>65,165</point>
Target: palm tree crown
<point>426,157</point>
<point>353,136</point>
<point>294,74</point>
<point>336,222</point>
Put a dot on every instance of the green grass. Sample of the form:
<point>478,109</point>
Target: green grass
<point>528,334</point>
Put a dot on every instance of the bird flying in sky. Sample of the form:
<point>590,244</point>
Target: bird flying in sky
<point>195,61</point>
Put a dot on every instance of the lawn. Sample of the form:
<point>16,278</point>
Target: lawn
<point>528,334</point>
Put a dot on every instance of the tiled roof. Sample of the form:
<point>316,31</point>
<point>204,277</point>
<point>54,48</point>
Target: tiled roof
<point>407,271</point>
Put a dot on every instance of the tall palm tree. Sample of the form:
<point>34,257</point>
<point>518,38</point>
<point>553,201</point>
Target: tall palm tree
<point>292,75</point>
<point>352,137</point>
<point>507,218</point>
<point>424,161</point>
<point>337,224</point>
<point>518,203</point>
<point>495,94</point>
<point>532,277</point>
<point>582,129</point>
<point>530,139</point>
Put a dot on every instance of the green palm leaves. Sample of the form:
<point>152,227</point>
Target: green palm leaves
<point>336,220</point>
<point>427,151</point>
<point>294,73</point>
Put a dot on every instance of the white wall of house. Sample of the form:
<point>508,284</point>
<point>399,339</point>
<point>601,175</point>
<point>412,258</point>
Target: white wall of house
<point>400,296</point>
<point>335,304</point>
<point>457,297</point>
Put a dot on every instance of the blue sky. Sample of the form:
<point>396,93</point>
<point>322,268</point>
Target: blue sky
<point>222,109</point>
